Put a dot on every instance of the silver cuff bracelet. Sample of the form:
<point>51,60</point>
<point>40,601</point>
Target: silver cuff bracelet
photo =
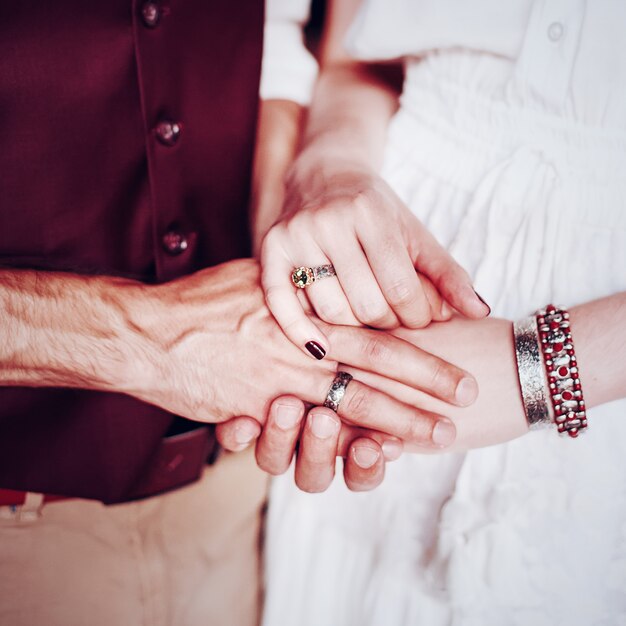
<point>531,375</point>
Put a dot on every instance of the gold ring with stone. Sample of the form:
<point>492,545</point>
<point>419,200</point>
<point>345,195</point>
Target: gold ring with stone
<point>302,277</point>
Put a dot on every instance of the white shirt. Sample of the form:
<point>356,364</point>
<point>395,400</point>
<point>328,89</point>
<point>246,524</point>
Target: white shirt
<point>568,46</point>
<point>289,69</point>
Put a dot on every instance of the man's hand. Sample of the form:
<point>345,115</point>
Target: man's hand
<point>206,347</point>
<point>212,350</point>
<point>315,439</point>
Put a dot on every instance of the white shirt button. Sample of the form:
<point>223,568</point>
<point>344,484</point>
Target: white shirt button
<point>555,31</point>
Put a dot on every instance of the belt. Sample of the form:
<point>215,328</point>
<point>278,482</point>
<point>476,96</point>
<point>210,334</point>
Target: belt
<point>178,461</point>
<point>10,497</point>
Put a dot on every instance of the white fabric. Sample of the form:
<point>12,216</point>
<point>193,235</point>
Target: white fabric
<point>289,69</point>
<point>523,177</point>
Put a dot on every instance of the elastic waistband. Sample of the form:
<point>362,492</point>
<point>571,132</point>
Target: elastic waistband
<point>488,124</point>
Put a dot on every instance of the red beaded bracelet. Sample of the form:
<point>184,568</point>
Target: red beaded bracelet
<point>562,370</point>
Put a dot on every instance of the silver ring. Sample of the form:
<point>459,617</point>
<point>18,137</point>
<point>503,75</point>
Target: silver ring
<point>302,277</point>
<point>337,391</point>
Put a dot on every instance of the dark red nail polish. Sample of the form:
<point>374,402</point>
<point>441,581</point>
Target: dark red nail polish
<point>481,299</point>
<point>316,350</point>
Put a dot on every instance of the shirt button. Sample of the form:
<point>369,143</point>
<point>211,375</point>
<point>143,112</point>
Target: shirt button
<point>174,242</point>
<point>150,13</point>
<point>168,132</point>
<point>555,31</point>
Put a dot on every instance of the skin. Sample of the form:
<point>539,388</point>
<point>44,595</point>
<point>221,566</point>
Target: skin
<point>329,205</point>
<point>338,210</point>
<point>205,347</point>
<point>332,195</point>
<point>486,348</point>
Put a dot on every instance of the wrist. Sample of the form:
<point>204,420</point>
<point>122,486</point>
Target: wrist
<point>184,335</point>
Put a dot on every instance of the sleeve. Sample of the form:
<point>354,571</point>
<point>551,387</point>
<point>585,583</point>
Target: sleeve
<point>289,69</point>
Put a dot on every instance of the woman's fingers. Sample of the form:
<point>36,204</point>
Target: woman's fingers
<point>448,277</point>
<point>395,358</point>
<point>330,303</point>
<point>363,295</point>
<point>283,302</point>
<point>389,259</point>
<point>440,310</point>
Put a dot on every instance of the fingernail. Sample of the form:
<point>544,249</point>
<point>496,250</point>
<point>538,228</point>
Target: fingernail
<point>444,433</point>
<point>287,416</point>
<point>466,391</point>
<point>483,301</point>
<point>392,450</point>
<point>245,433</point>
<point>364,456</point>
<point>316,350</point>
<point>323,426</point>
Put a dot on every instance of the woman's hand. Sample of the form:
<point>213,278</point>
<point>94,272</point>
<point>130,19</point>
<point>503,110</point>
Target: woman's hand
<point>484,347</point>
<point>390,269</point>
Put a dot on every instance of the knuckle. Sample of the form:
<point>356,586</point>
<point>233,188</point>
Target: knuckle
<point>272,240</point>
<point>356,403</point>
<point>332,312</point>
<point>377,349</point>
<point>364,200</point>
<point>372,314</point>
<point>401,293</point>
<point>443,379</point>
<point>420,319</point>
<point>416,429</point>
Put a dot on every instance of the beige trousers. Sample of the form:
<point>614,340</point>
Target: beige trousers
<point>185,558</point>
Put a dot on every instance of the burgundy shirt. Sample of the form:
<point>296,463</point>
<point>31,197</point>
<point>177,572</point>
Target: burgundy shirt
<point>126,147</point>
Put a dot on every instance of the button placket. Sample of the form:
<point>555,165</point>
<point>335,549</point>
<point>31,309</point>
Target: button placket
<point>546,61</point>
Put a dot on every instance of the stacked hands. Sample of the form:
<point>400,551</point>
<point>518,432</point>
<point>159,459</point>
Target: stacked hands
<point>412,386</point>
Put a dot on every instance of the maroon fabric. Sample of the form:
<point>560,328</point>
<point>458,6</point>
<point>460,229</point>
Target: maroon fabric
<point>86,185</point>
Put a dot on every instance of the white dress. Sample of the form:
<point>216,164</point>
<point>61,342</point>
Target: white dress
<point>510,145</point>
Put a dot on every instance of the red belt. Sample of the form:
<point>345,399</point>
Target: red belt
<point>9,497</point>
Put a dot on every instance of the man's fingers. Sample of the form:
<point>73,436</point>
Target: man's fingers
<point>392,447</point>
<point>315,463</point>
<point>237,433</point>
<point>395,358</point>
<point>364,467</point>
<point>277,443</point>
<point>369,408</point>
